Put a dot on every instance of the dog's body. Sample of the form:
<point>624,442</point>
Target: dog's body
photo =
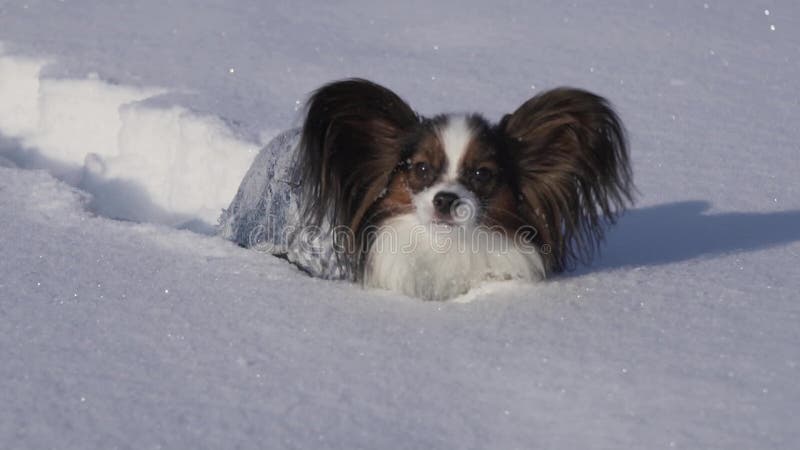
<point>432,206</point>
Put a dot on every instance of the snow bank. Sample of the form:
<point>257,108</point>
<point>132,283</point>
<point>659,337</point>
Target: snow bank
<point>165,165</point>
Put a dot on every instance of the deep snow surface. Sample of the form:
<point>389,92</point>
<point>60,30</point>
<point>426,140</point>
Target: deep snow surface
<point>147,333</point>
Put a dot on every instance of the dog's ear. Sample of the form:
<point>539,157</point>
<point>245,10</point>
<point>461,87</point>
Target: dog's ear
<point>351,143</point>
<point>569,150</point>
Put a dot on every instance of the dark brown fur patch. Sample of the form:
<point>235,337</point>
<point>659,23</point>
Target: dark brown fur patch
<point>350,144</point>
<point>397,200</point>
<point>570,157</point>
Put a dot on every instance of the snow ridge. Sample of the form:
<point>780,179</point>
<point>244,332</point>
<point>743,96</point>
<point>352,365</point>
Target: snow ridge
<point>143,163</point>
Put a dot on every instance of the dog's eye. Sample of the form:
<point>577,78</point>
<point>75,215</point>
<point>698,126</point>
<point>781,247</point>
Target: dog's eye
<point>423,171</point>
<point>482,175</point>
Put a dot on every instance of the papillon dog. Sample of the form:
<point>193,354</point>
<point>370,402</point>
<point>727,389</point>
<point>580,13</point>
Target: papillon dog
<point>432,206</point>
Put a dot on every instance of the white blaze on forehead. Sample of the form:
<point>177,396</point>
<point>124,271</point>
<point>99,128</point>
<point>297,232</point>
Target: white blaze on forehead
<point>455,135</point>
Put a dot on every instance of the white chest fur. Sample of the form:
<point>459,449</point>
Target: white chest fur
<point>437,262</point>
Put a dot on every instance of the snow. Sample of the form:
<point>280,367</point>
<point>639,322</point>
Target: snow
<point>148,333</point>
<point>164,165</point>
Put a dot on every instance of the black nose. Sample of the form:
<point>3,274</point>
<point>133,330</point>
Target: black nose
<point>443,202</point>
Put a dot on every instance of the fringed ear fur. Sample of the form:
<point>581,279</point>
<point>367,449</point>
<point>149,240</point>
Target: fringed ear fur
<point>570,152</point>
<point>351,142</point>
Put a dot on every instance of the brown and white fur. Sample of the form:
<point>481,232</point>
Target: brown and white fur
<point>430,207</point>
